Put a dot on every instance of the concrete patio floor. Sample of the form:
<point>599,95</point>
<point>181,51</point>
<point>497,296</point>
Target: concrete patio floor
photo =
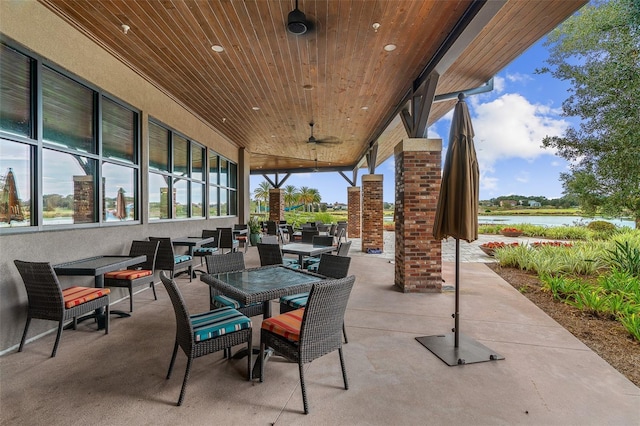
<point>548,377</point>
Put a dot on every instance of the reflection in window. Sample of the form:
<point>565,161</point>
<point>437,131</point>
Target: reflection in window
<point>68,188</point>
<point>180,148</point>
<point>158,197</point>
<point>213,168</point>
<point>15,101</point>
<point>118,132</point>
<point>67,112</point>
<point>213,201</point>
<point>224,211</point>
<point>181,199</point>
<point>197,199</point>
<point>224,172</point>
<point>197,161</point>
<point>119,202</point>
<point>158,147</point>
<point>15,184</point>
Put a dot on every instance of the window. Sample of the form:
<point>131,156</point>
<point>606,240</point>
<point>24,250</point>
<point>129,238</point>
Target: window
<point>176,166</point>
<point>89,149</point>
<point>222,186</point>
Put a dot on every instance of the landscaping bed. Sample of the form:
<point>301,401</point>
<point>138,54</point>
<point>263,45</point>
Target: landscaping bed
<point>606,337</point>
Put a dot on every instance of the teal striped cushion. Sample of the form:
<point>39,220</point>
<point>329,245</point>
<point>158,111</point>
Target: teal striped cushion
<point>206,250</point>
<point>296,301</point>
<point>313,267</point>
<point>222,301</point>
<point>181,258</point>
<point>218,322</point>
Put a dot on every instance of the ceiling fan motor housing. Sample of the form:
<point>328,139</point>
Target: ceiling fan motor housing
<point>297,24</point>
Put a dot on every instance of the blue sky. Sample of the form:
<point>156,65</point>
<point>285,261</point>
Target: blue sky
<point>509,123</point>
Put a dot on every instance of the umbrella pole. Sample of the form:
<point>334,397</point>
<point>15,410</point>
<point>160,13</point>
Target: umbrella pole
<point>456,315</point>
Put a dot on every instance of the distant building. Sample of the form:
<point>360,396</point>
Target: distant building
<point>340,206</point>
<point>508,203</point>
<point>533,203</point>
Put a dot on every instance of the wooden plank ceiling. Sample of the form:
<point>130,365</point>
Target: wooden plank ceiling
<point>267,85</point>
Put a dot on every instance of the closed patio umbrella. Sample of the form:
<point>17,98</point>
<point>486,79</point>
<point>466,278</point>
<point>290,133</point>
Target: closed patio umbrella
<point>457,217</point>
<point>10,209</point>
<point>121,208</point>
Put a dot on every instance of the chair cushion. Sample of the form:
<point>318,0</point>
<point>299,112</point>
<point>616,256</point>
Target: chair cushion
<point>215,323</point>
<point>296,301</point>
<point>128,274</point>
<point>285,325</point>
<point>181,258</point>
<point>313,267</point>
<point>74,296</point>
<point>205,250</point>
<point>222,301</point>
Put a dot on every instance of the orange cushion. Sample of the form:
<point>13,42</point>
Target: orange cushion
<point>285,325</point>
<point>128,274</point>
<point>74,296</point>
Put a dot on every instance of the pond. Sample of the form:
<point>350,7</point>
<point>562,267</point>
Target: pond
<point>550,220</point>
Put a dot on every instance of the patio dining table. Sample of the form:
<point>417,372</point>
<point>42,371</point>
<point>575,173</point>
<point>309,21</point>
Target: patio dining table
<point>305,249</point>
<point>262,284</point>
<point>96,267</point>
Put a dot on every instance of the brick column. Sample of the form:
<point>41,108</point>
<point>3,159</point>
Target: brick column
<point>418,176</point>
<point>354,212</point>
<point>276,204</point>
<point>372,214</point>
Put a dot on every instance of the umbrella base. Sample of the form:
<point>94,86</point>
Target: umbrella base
<point>468,351</point>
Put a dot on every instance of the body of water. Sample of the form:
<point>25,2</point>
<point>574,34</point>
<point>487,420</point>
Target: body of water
<point>549,220</point>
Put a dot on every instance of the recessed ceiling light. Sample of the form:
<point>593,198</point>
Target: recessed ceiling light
<point>307,87</point>
<point>256,108</point>
<point>217,48</point>
<point>365,108</point>
<point>390,47</point>
<point>273,136</point>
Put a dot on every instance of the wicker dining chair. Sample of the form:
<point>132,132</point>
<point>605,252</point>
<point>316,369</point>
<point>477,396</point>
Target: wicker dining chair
<point>167,260</point>
<point>209,248</point>
<point>306,334</point>
<point>136,275</point>
<point>226,240</point>
<point>330,265</point>
<point>317,241</point>
<point>202,334</point>
<point>47,300</point>
<point>270,254</point>
<point>227,263</point>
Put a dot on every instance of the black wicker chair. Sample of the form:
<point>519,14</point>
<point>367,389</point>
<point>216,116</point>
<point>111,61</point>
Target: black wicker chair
<point>330,265</point>
<point>227,263</point>
<point>318,241</point>
<point>205,333</point>
<point>308,234</point>
<point>319,332</point>
<point>343,248</point>
<point>137,275</point>
<point>270,254</point>
<point>209,248</point>
<point>167,260</point>
<point>47,300</point>
<point>227,241</point>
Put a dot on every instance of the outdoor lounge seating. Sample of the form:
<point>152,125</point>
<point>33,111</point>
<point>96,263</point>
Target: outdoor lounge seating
<point>318,240</point>
<point>306,334</point>
<point>167,260</point>
<point>137,275</point>
<point>242,238</point>
<point>48,301</point>
<point>202,334</point>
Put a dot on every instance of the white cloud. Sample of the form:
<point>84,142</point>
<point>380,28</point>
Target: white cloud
<point>522,177</point>
<point>555,163</point>
<point>498,84</point>
<point>488,183</point>
<point>512,127</point>
<point>519,78</point>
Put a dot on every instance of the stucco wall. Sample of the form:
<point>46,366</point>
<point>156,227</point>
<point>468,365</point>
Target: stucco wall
<point>37,29</point>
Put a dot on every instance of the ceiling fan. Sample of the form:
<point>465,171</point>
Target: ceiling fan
<point>314,141</point>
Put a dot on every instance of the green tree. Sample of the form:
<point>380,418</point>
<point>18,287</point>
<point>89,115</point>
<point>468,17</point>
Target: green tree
<point>598,52</point>
<point>261,193</point>
<point>290,194</point>
<point>315,198</point>
<point>306,196</point>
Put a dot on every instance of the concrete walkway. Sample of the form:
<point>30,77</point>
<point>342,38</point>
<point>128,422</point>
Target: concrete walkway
<point>548,377</point>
